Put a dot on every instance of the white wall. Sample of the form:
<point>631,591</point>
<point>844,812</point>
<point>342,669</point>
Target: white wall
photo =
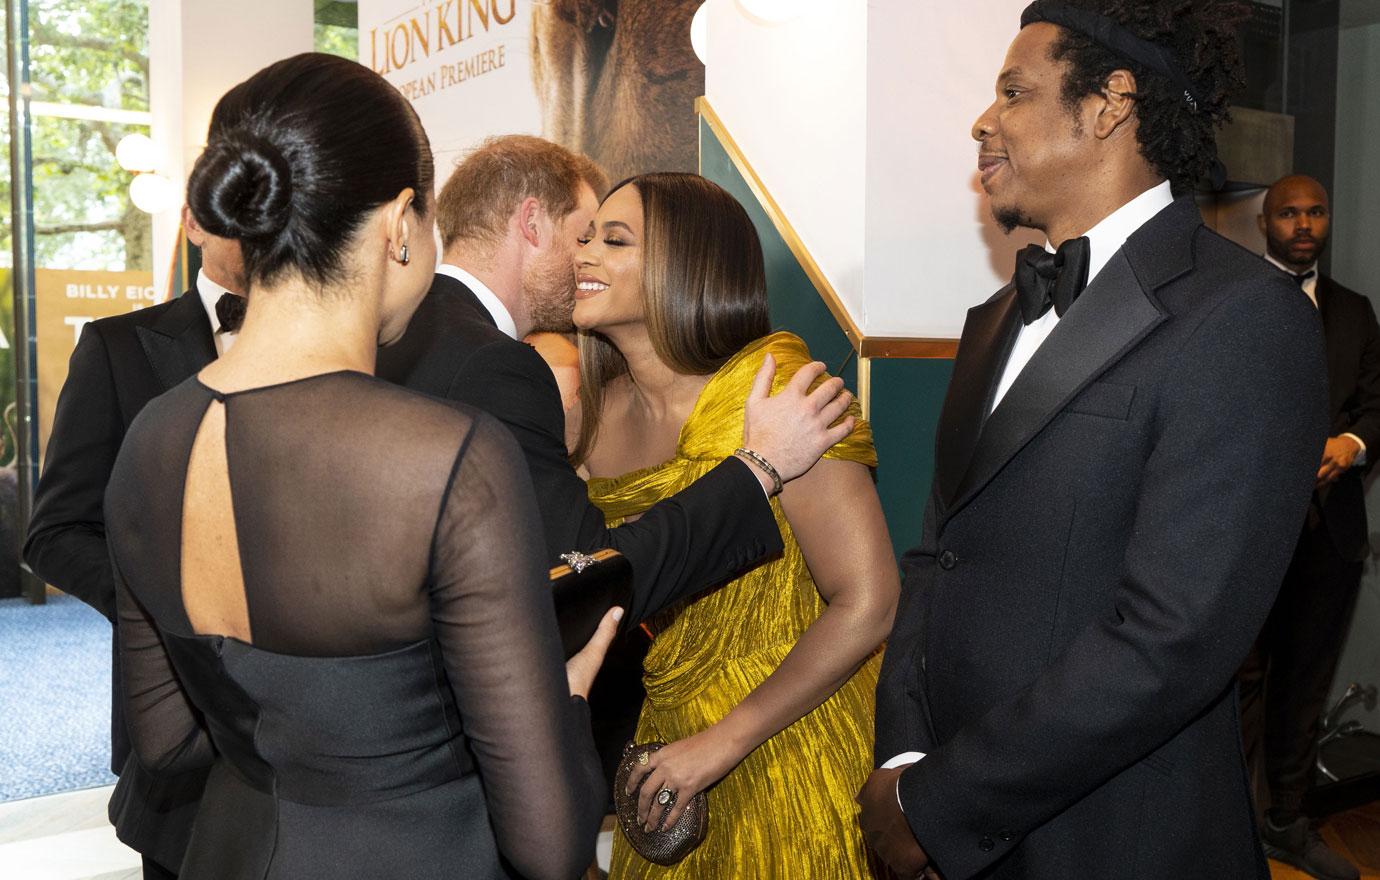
<point>856,116</point>
<point>198,50</point>
<point>794,97</point>
<point>933,250</point>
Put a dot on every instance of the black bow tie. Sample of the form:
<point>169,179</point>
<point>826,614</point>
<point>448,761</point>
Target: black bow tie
<point>1044,279</point>
<point>1300,279</point>
<point>230,312</point>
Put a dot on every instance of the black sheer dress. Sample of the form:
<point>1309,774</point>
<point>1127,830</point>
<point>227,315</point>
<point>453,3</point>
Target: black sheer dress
<point>333,592</point>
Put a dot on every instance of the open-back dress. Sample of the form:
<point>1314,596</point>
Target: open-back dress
<point>399,707</point>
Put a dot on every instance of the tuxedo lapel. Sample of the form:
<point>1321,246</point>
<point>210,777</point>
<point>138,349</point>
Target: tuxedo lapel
<point>988,335</point>
<point>179,343</point>
<point>1111,316</point>
<point>1334,335</point>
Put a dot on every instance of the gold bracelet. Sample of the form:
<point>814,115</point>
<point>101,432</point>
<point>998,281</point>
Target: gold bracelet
<point>776,484</point>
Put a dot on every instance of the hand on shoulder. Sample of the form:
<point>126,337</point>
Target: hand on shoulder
<point>793,428</point>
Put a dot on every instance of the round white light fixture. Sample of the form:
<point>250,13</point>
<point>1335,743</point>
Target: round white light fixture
<point>699,33</point>
<point>152,193</point>
<point>776,11</point>
<point>136,152</point>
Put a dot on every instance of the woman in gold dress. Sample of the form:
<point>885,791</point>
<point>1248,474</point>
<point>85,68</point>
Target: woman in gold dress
<point>762,688</point>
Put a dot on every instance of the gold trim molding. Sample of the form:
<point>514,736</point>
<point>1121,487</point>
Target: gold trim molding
<point>865,346</point>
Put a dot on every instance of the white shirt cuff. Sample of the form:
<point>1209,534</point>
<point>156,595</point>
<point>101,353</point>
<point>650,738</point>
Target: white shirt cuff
<point>902,760</point>
<point>1361,457</point>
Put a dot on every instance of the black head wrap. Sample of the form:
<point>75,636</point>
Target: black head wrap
<point>1116,37</point>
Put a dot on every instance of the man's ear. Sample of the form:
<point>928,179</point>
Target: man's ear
<point>195,234</point>
<point>1260,222</point>
<point>528,220</point>
<point>1119,96</point>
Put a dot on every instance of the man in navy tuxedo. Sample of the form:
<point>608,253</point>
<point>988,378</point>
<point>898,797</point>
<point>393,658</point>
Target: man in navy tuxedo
<point>1124,455</point>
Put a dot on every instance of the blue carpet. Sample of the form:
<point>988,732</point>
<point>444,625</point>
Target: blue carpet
<point>54,698</point>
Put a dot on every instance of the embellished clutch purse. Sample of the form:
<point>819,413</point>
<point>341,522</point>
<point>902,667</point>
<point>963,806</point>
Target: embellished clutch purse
<point>584,589</point>
<point>662,847</point>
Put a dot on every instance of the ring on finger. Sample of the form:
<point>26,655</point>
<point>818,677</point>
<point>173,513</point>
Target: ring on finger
<point>666,797</point>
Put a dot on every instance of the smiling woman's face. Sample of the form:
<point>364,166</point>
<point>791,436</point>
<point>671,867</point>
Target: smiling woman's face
<point>608,265</point>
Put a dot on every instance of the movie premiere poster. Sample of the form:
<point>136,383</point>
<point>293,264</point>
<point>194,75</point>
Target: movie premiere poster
<point>613,79</point>
<point>66,300</point>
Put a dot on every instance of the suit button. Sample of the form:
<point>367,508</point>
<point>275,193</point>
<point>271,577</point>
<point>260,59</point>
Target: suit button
<point>987,844</point>
<point>1005,835</point>
<point>947,560</point>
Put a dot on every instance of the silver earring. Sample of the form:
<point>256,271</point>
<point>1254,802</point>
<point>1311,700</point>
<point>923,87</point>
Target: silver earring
<point>402,256</point>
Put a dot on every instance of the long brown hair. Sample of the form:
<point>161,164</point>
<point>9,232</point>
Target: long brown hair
<point>703,283</point>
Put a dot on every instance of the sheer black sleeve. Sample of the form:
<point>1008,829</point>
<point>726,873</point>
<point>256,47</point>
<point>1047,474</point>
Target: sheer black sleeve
<point>165,728</point>
<point>493,616</point>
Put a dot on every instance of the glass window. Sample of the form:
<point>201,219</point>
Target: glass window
<point>337,28</point>
<point>10,509</point>
<point>89,69</point>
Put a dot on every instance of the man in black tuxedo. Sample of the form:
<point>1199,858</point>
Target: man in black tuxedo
<point>1286,678</point>
<point>119,365</point>
<point>510,217</point>
<point>1124,454</point>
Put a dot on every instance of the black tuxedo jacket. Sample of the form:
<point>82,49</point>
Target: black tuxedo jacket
<point>119,365</point>
<point>1353,379</point>
<point>1097,556</point>
<point>712,531</point>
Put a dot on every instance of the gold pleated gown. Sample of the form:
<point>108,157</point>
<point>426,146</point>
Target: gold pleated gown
<point>787,811</point>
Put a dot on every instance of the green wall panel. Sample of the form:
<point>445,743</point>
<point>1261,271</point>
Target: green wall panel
<point>906,393</point>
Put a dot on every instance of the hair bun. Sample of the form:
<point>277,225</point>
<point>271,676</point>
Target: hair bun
<point>241,187</point>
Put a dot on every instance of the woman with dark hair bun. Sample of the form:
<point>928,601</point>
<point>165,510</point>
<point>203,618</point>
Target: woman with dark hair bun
<point>332,590</point>
<point>762,688</point>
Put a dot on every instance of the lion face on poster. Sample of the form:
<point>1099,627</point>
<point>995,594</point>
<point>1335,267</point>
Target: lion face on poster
<point>617,81</point>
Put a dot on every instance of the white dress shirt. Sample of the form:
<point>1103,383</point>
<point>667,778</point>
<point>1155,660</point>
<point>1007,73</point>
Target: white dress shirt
<point>1310,287</point>
<point>210,292</point>
<point>1104,240</point>
<point>487,297</point>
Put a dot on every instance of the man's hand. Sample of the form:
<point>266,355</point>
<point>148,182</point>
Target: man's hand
<point>793,428</point>
<point>885,829</point>
<point>1338,456</point>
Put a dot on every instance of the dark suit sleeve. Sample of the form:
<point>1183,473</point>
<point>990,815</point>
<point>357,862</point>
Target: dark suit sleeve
<point>1220,504</point>
<point>1365,418</point>
<point>66,541</point>
<point>702,536</point>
